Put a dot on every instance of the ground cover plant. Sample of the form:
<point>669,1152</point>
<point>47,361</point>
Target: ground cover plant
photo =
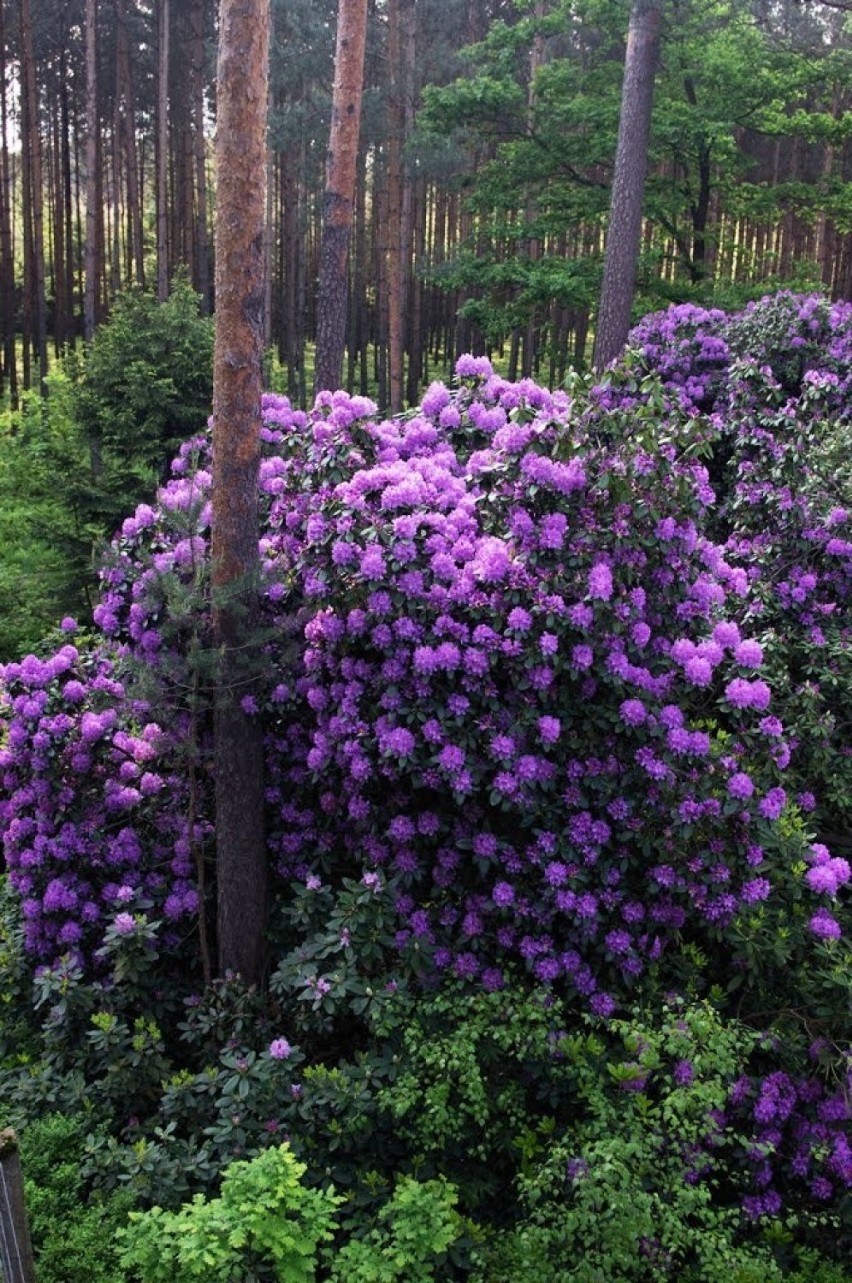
<point>555,691</point>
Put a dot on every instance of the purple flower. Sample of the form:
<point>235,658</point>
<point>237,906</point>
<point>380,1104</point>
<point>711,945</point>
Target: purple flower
<point>125,924</point>
<point>602,1004</point>
<point>698,671</point>
<point>773,804</point>
<point>280,1049</point>
<point>823,925</point>
<point>821,879</point>
<point>743,694</point>
<point>749,654</point>
<point>600,581</point>
<point>519,619</point>
<point>399,741</point>
<point>503,894</point>
<point>755,890</point>
<point>740,786</point>
<point>549,729</point>
<point>683,1073</point>
<point>473,367</point>
<point>451,758</point>
<point>633,712</point>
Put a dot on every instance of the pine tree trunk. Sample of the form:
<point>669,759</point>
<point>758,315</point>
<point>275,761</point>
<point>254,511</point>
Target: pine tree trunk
<point>396,127</point>
<point>33,198</point>
<point>631,160</point>
<point>7,264</point>
<point>242,883</point>
<point>339,191</point>
<point>90,253</point>
<point>162,158</point>
<point>202,246</point>
<point>124,83</point>
<point>60,305</point>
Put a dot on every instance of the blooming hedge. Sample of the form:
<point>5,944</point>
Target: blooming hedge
<point>521,694</point>
<point>520,673</point>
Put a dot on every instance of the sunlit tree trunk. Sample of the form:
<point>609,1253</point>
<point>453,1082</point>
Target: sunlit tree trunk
<point>35,310</point>
<point>162,149</point>
<point>340,191</point>
<point>7,264</point>
<point>91,247</point>
<point>241,857</point>
<point>628,185</point>
<point>395,280</point>
<point>124,89</point>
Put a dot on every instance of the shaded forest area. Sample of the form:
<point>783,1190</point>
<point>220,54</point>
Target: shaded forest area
<point>483,171</point>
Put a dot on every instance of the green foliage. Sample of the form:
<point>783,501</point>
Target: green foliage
<point>265,1224</point>
<point>41,575</point>
<point>478,1083</point>
<point>73,465</point>
<point>145,384</point>
<point>417,1225</point>
<point>72,1227</point>
<point>636,1186</point>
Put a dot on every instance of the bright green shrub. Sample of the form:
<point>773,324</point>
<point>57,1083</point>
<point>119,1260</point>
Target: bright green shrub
<point>265,1224</point>
<point>417,1225</point>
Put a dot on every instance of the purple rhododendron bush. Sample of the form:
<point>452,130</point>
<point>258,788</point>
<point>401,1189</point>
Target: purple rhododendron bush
<point>557,679</point>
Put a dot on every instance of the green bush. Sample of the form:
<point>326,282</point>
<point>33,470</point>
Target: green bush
<point>72,1227</point>
<point>266,1224</point>
<point>145,384</point>
<point>72,466</point>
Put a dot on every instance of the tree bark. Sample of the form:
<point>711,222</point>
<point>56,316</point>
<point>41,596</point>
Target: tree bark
<point>631,162</point>
<point>340,191</point>
<point>124,88</point>
<point>91,248</point>
<point>202,247</point>
<point>7,264</point>
<point>162,157</point>
<point>242,894</point>
<point>395,285</point>
<point>34,296</point>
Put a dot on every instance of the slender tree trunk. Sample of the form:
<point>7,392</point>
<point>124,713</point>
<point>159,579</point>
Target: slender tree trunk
<point>241,857</point>
<point>396,129</point>
<point>91,250</point>
<point>7,262</point>
<point>628,186</point>
<point>124,88</point>
<point>162,161</point>
<point>33,194</point>
<point>340,191</point>
<point>202,247</point>
<point>60,309</point>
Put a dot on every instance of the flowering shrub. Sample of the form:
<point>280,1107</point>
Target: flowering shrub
<point>522,683</point>
<point>775,385</point>
<point>521,690</point>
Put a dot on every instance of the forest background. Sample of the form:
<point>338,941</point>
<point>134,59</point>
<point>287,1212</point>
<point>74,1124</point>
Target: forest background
<point>483,183</point>
<point>486,151</point>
